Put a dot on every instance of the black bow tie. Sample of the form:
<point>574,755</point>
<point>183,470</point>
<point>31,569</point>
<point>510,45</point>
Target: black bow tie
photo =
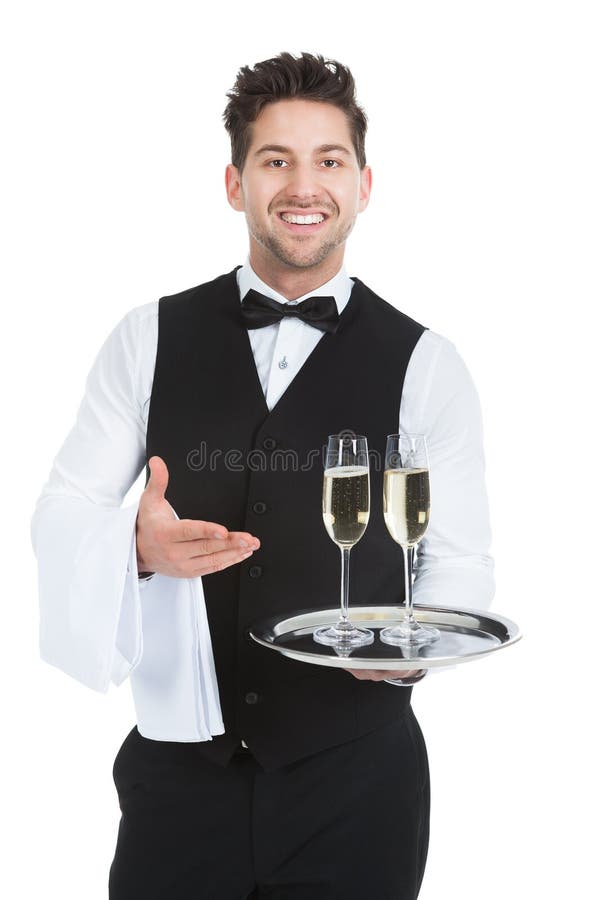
<point>320,312</point>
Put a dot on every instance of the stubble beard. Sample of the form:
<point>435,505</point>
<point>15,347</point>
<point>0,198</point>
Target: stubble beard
<point>291,252</point>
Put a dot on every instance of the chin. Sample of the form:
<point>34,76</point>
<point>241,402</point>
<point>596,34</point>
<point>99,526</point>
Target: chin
<point>301,261</point>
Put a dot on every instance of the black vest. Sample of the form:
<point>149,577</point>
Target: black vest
<point>232,461</point>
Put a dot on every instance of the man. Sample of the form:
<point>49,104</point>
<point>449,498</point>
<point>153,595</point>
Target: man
<point>249,774</point>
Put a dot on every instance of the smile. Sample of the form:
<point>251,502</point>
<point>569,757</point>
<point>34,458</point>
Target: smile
<point>306,225</point>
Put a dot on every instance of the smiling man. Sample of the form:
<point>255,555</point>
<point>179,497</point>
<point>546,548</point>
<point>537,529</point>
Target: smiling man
<point>249,774</point>
<point>301,189</point>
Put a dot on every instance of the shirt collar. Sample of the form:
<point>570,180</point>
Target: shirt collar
<point>339,287</point>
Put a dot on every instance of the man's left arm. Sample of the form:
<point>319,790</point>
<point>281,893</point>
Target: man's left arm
<point>454,566</point>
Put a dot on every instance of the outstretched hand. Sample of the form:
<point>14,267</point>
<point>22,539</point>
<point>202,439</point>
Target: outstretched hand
<point>183,548</point>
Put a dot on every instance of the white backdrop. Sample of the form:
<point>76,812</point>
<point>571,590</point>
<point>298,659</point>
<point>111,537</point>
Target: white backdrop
<point>483,225</point>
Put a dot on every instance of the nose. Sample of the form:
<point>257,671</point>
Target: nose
<point>304,182</point>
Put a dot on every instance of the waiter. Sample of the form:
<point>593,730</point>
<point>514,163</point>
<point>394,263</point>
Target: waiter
<point>249,774</point>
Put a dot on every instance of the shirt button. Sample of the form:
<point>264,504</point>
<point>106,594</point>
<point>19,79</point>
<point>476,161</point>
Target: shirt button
<point>259,507</point>
<point>255,571</point>
<point>251,698</point>
<point>269,443</point>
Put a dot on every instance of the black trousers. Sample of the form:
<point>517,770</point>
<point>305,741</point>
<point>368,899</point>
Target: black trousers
<point>350,822</point>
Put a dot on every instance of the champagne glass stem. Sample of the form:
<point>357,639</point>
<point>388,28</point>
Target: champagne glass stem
<point>345,581</point>
<point>408,572</point>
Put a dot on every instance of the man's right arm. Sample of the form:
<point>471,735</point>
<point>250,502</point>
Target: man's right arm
<point>84,541</point>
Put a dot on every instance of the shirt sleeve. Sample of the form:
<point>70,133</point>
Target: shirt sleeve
<point>89,595</point>
<point>454,566</point>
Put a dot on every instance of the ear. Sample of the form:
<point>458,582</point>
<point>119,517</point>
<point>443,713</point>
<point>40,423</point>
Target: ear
<point>233,186</point>
<point>366,181</point>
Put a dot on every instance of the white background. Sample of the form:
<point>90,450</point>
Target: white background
<point>482,225</point>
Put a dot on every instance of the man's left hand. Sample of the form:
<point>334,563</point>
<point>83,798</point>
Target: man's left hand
<point>381,674</point>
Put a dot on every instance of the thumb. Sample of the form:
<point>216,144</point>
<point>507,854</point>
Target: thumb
<point>159,479</point>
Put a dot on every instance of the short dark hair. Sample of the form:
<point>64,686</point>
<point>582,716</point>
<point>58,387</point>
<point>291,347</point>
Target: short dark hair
<point>307,77</point>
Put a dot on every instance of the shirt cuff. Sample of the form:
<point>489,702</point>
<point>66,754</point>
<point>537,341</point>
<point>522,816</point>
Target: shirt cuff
<point>90,622</point>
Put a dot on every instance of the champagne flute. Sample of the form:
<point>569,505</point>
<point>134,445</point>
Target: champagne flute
<point>406,514</point>
<point>345,514</point>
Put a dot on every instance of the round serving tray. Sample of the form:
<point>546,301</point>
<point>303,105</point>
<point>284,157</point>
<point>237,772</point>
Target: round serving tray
<point>465,634</point>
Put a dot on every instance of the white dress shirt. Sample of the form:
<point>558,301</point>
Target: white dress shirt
<point>99,622</point>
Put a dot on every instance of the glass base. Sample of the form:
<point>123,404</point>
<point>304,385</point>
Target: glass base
<point>409,634</point>
<point>343,635</point>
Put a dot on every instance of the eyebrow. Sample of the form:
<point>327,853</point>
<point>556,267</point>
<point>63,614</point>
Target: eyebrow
<point>324,148</point>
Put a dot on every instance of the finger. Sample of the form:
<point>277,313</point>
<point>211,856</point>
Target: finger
<point>381,674</point>
<point>196,529</point>
<point>361,674</point>
<point>187,530</point>
<point>216,562</point>
<point>402,673</point>
<point>197,549</point>
<point>250,539</point>
<point>159,478</point>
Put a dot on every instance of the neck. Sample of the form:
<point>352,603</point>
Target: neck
<point>293,282</point>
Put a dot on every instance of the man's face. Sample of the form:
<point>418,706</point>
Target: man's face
<point>301,160</point>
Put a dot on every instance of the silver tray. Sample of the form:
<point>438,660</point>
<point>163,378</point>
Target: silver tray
<point>465,635</point>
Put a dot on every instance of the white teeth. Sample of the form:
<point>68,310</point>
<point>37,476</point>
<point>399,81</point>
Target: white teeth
<point>302,220</point>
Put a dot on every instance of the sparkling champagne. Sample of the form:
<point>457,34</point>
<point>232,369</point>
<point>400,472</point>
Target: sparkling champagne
<point>406,504</point>
<point>346,503</point>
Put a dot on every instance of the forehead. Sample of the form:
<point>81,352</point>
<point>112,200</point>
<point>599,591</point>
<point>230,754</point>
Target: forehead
<point>300,125</point>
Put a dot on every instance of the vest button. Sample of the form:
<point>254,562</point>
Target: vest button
<point>251,698</point>
<point>259,507</point>
<point>255,571</point>
<point>269,443</point>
